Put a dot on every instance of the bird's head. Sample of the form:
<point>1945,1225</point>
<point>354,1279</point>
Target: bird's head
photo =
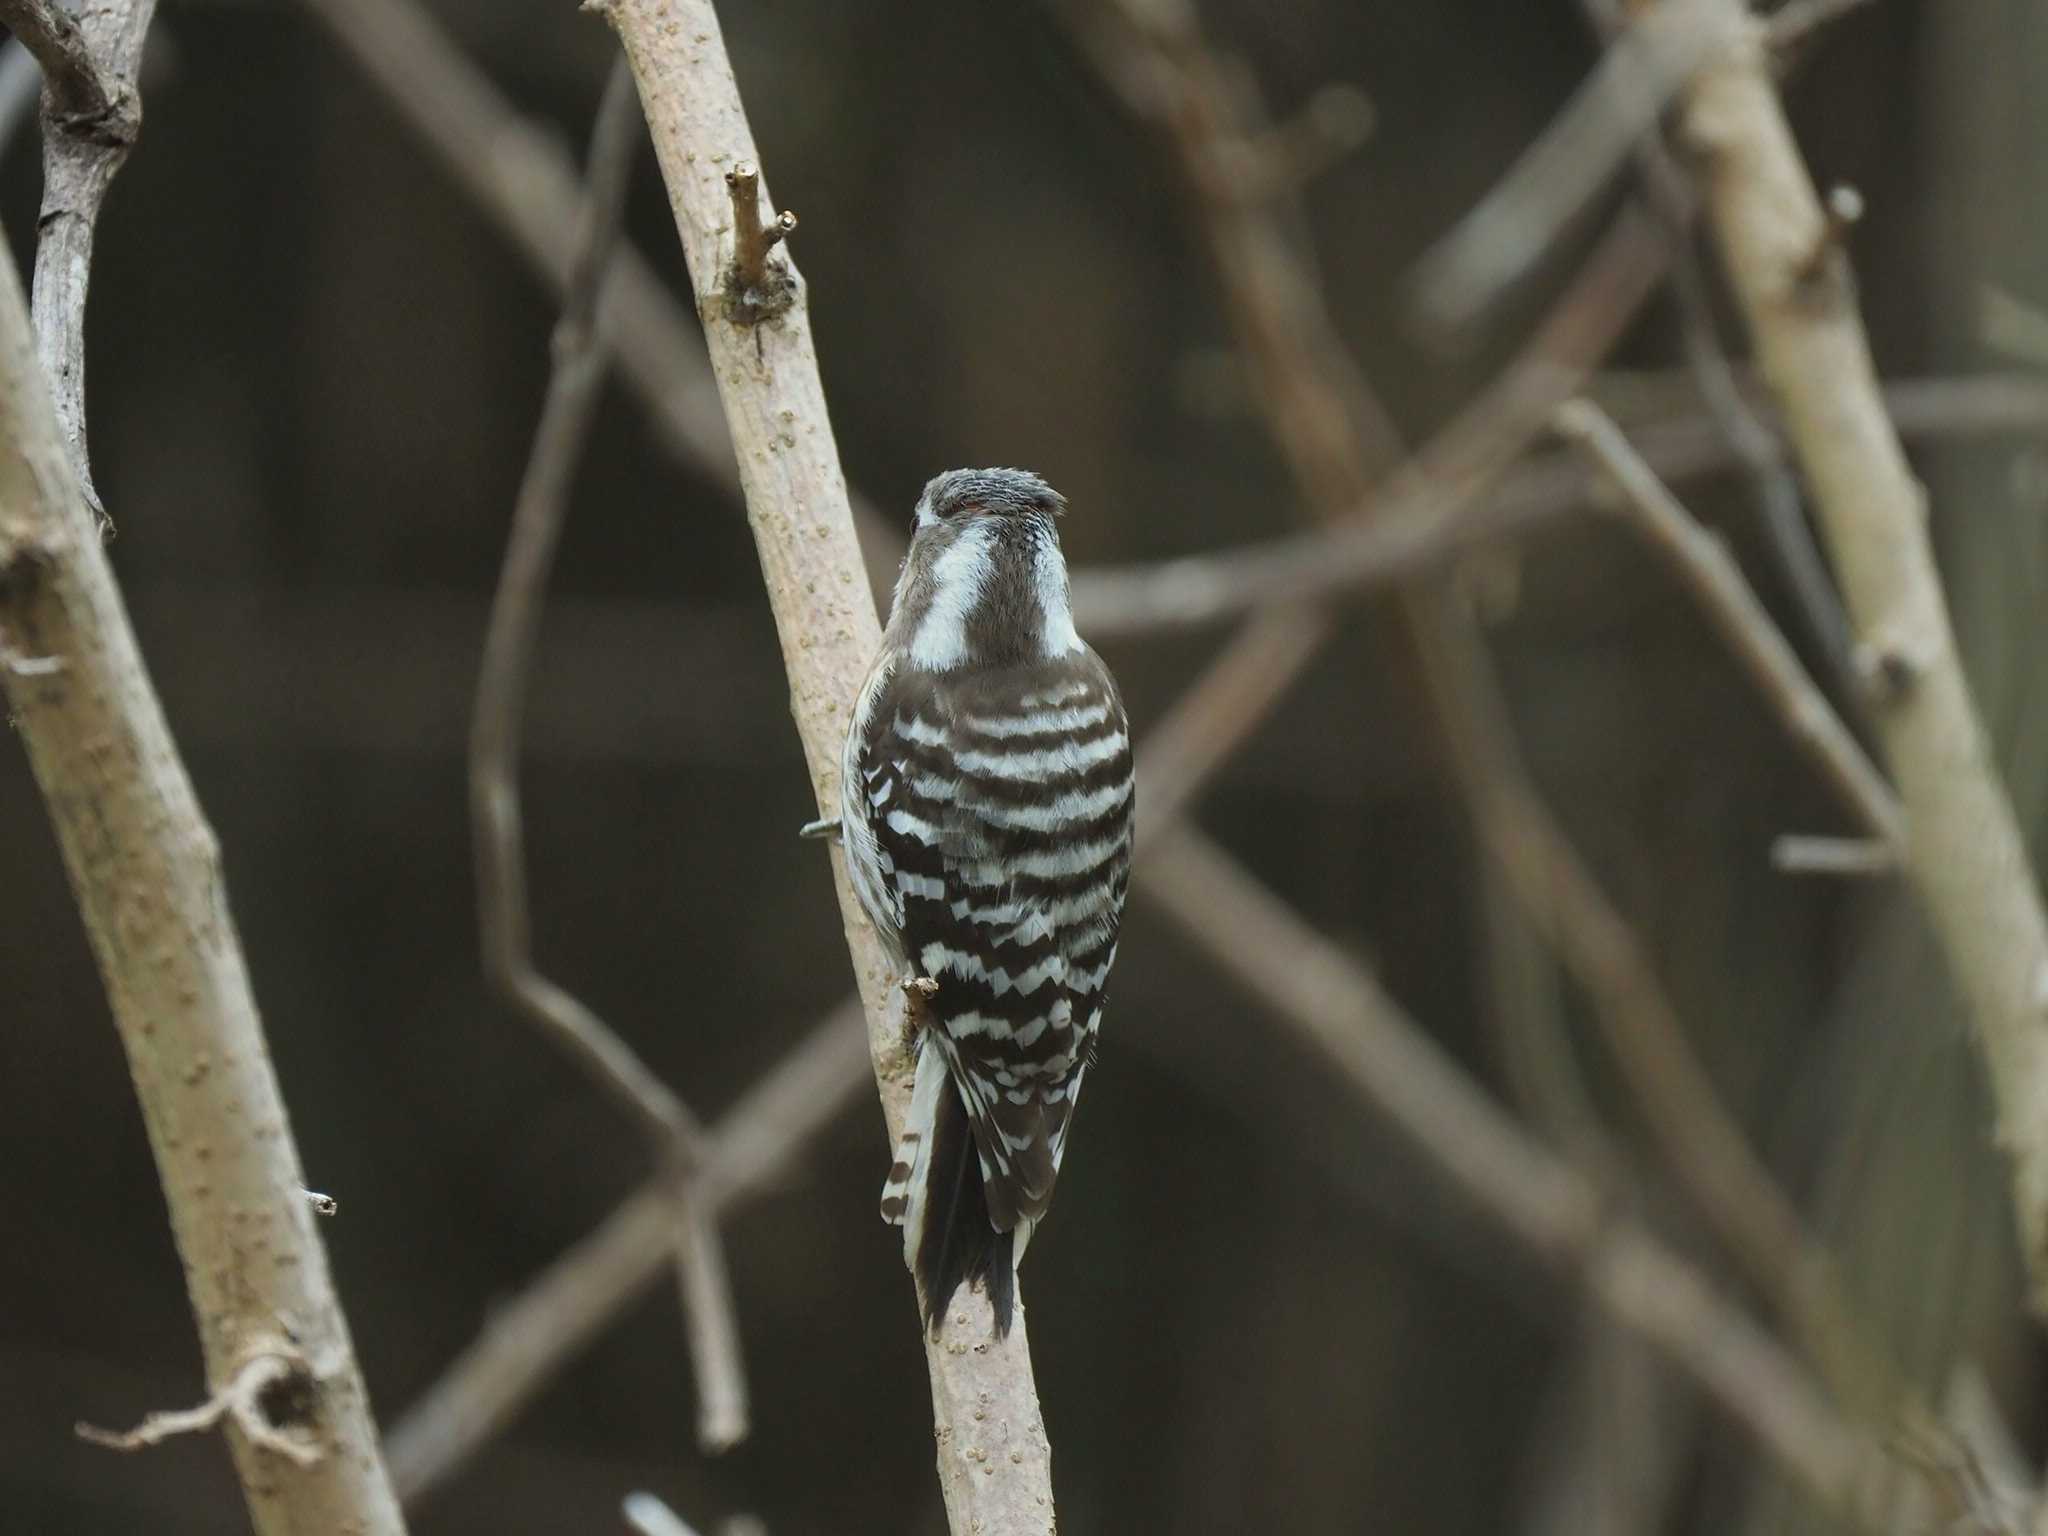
<point>984,582</point>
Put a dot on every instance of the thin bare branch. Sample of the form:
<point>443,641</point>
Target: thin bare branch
<point>1523,997</point>
<point>92,70</point>
<point>1326,130</point>
<point>503,914</point>
<point>82,99</point>
<point>1705,566</point>
<point>1761,455</point>
<point>1527,214</point>
<point>649,1514</point>
<point>254,1399</point>
<point>2008,325</point>
<point>1797,855</point>
<point>1411,536</point>
<point>1965,856</point>
<point>1532,210</point>
<point>529,1338</point>
<point>537,518</point>
<point>712,1329</point>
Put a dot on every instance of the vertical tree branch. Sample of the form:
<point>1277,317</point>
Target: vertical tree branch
<point>994,1461</point>
<point>146,871</point>
<point>1964,853</point>
<point>144,863</point>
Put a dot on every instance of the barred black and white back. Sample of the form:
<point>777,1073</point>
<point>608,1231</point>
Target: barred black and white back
<point>986,803</point>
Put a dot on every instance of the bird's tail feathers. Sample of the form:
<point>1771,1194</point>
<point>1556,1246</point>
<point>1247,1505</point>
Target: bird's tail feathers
<point>934,1192</point>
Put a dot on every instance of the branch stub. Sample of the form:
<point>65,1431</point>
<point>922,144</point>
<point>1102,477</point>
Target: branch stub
<point>757,287</point>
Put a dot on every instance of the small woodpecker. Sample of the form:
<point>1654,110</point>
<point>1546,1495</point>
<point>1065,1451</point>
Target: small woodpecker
<point>986,805</point>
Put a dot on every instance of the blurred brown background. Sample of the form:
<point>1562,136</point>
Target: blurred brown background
<point>314,369</point>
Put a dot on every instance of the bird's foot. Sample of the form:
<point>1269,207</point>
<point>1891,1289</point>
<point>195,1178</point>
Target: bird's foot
<point>919,990</point>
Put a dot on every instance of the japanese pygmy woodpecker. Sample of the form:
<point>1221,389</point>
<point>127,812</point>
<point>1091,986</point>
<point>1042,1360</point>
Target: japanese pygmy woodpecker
<point>985,805</point>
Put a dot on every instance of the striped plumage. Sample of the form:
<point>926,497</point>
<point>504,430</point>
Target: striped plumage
<point>986,804</point>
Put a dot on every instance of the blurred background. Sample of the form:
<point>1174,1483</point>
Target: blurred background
<point>315,365</point>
